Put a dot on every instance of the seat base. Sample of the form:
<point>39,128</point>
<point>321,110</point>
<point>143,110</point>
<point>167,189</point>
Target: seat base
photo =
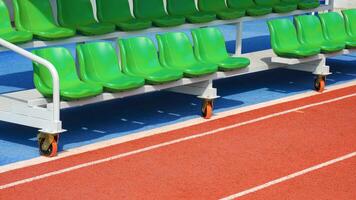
<point>54,33</point>
<point>308,4</point>
<point>301,52</point>
<point>201,17</point>
<point>168,21</point>
<point>351,43</point>
<point>162,76</point>
<point>284,7</point>
<point>96,29</point>
<point>123,83</point>
<point>331,48</point>
<point>134,25</point>
<point>200,69</point>
<point>16,36</point>
<point>259,11</point>
<point>233,63</point>
<point>228,14</point>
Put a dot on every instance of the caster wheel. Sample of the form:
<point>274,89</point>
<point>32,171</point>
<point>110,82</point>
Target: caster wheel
<point>48,144</point>
<point>207,109</point>
<point>319,84</point>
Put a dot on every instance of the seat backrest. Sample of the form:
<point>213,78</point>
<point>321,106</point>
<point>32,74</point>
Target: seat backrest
<point>283,35</point>
<point>5,23</point>
<point>309,30</point>
<point>62,60</point>
<point>97,61</point>
<point>149,9</point>
<point>113,10</point>
<point>138,55</point>
<point>175,50</point>
<point>267,2</point>
<point>33,15</point>
<point>333,26</point>
<point>75,13</point>
<point>209,44</point>
<point>181,7</point>
<point>211,5</point>
<point>350,21</point>
<point>241,4</point>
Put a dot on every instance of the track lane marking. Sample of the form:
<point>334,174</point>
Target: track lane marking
<point>161,130</point>
<point>157,146</point>
<point>290,176</point>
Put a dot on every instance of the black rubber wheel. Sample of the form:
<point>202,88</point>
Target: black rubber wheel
<point>52,149</point>
<point>319,84</point>
<point>207,109</point>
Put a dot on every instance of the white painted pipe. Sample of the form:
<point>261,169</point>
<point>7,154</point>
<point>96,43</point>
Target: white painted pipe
<point>49,66</point>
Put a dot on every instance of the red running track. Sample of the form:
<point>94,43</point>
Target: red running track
<point>217,165</point>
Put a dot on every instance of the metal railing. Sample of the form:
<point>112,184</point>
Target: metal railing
<point>49,66</point>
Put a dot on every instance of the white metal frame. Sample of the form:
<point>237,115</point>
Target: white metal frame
<point>30,108</point>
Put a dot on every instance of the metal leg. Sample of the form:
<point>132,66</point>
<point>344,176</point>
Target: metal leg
<point>238,45</point>
<point>205,91</point>
<point>318,68</point>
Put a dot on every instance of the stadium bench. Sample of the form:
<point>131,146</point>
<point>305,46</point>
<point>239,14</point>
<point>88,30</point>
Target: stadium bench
<point>209,47</point>
<point>304,4</point>
<point>219,8</point>
<point>154,11</point>
<point>7,32</point>
<point>36,16</point>
<point>335,29</point>
<point>277,5</point>
<point>139,58</point>
<point>118,12</point>
<point>187,9</point>
<point>310,33</point>
<point>350,21</point>
<point>250,6</point>
<point>71,87</point>
<point>285,42</point>
<point>98,63</point>
<point>176,52</point>
<point>79,15</point>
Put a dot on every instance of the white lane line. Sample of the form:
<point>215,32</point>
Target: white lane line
<point>162,130</point>
<point>291,176</point>
<point>157,146</point>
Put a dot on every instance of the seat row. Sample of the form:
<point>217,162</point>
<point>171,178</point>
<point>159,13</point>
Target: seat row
<point>100,69</point>
<point>311,35</point>
<point>35,17</point>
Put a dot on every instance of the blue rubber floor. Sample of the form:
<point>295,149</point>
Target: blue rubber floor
<point>104,121</point>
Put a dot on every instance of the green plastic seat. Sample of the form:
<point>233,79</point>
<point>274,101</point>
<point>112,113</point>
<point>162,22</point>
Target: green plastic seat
<point>98,63</point>
<point>304,4</point>
<point>7,32</point>
<point>176,52</point>
<point>139,58</point>
<point>250,6</point>
<point>220,9</point>
<point>36,16</point>
<point>79,15</point>
<point>71,87</point>
<point>285,42</point>
<point>310,33</point>
<point>154,11</point>
<point>118,12</point>
<point>350,21</point>
<point>209,47</point>
<point>335,29</point>
<point>187,9</point>
<point>277,5</point>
